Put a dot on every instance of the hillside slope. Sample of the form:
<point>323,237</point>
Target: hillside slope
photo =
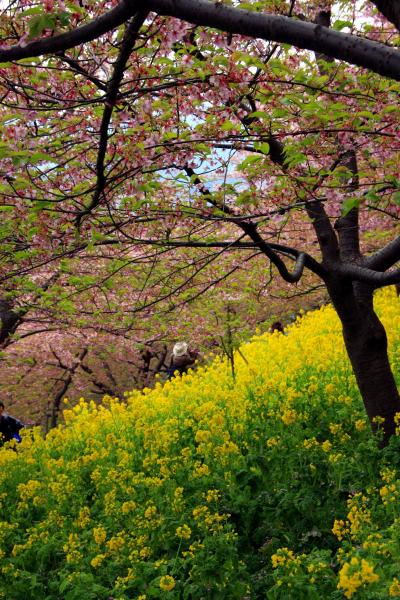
<point>269,486</point>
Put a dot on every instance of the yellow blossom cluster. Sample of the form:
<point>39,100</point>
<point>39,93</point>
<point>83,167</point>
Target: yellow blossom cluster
<point>355,574</point>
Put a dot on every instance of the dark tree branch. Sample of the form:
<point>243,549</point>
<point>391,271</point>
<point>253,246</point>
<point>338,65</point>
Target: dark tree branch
<point>325,233</point>
<point>347,226</point>
<point>102,388</point>
<point>323,18</point>
<point>315,210</point>
<point>60,363</point>
<point>385,257</point>
<point>9,318</point>
<point>161,359</point>
<point>350,48</point>
<point>86,33</point>
<point>250,229</point>
<point>390,9</point>
<point>364,275</point>
<point>65,383</point>
<point>127,46</point>
<point>302,258</point>
<point>75,66</point>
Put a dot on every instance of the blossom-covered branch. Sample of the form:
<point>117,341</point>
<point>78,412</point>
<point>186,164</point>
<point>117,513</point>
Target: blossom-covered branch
<point>347,47</point>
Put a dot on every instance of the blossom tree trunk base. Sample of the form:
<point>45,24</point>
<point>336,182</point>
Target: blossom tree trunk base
<point>366,343</point>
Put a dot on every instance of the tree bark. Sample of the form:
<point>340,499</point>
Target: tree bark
<point>390,9</point>
<point>9,320</point>
<point>65,383</point>
<point>366,343</point>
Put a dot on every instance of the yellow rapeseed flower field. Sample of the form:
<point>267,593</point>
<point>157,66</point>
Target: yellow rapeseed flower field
<point>266,486</point>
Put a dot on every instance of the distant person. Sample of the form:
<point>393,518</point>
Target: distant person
<point>9,426</point>
<point>181,359</point>
<point>277,326</point>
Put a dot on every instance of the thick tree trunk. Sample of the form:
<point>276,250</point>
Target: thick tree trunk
<point>9,320</point>
<point>366,343</point>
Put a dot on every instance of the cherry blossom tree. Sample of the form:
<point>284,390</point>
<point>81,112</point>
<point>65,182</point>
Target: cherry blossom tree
<point>159,139</point>
<point>51,357</point>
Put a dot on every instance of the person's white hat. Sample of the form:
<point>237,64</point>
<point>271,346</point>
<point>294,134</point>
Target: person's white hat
<point>180,349</point>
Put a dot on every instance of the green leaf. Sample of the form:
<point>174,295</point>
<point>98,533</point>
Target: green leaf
<point>169,135</point>
<point>392,179</point>
<point>38,157</point>
<point>349,204</point>
<point>39,23</point>
<point>42,204</point>
<point>372,196</point>
<point>366,113</point>
<point>250,160</point>
<point>67,306</point>
<point>18,158</point>
<point>202,148</point>
<point>228,126</point>
<point>4,151</point>
<point>339,25</point>
<point>34,10</point>
<point>263,147</point>
<point>259,114</point>
<point>64,18</point>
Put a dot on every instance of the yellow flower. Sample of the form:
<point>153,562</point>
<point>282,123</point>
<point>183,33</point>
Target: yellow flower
<point>97,560</point>
<point>367,572</point>
<point>150,511</point>
<point>167,583</point>
<point>394,589</point>
<point>184,532</point>
<point>213,496</point>
<point>202,436</point>
<point>289,416</point>
<point>282,556</point>
<point>335,428</point>
<point>326,446</point>
<point>378,420</point>
<point>83,518</point>
<point>201,470</point>
<point>273,441</point>
<point>99,534</point>
<point>128,507</point>
<point>115,544</point>
<point>339,528</point>
<point>355,574</point>
<point>310,443</point>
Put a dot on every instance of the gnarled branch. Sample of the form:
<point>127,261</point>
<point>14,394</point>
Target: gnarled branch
<point>347,47</point>
<point>86,33</point>
<point>127,45</point>
<point>386,257</point>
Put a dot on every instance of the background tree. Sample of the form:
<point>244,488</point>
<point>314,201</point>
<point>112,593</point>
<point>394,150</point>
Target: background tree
<point>124,349</point>
<point>196,125</point>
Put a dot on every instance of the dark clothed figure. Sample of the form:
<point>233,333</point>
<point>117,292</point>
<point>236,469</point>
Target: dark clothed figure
<point>277,326</point>
<point>9,426</point>
<point>181,359</point>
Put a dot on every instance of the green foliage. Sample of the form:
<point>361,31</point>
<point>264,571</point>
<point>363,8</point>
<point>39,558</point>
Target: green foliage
<point>41,21</point>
